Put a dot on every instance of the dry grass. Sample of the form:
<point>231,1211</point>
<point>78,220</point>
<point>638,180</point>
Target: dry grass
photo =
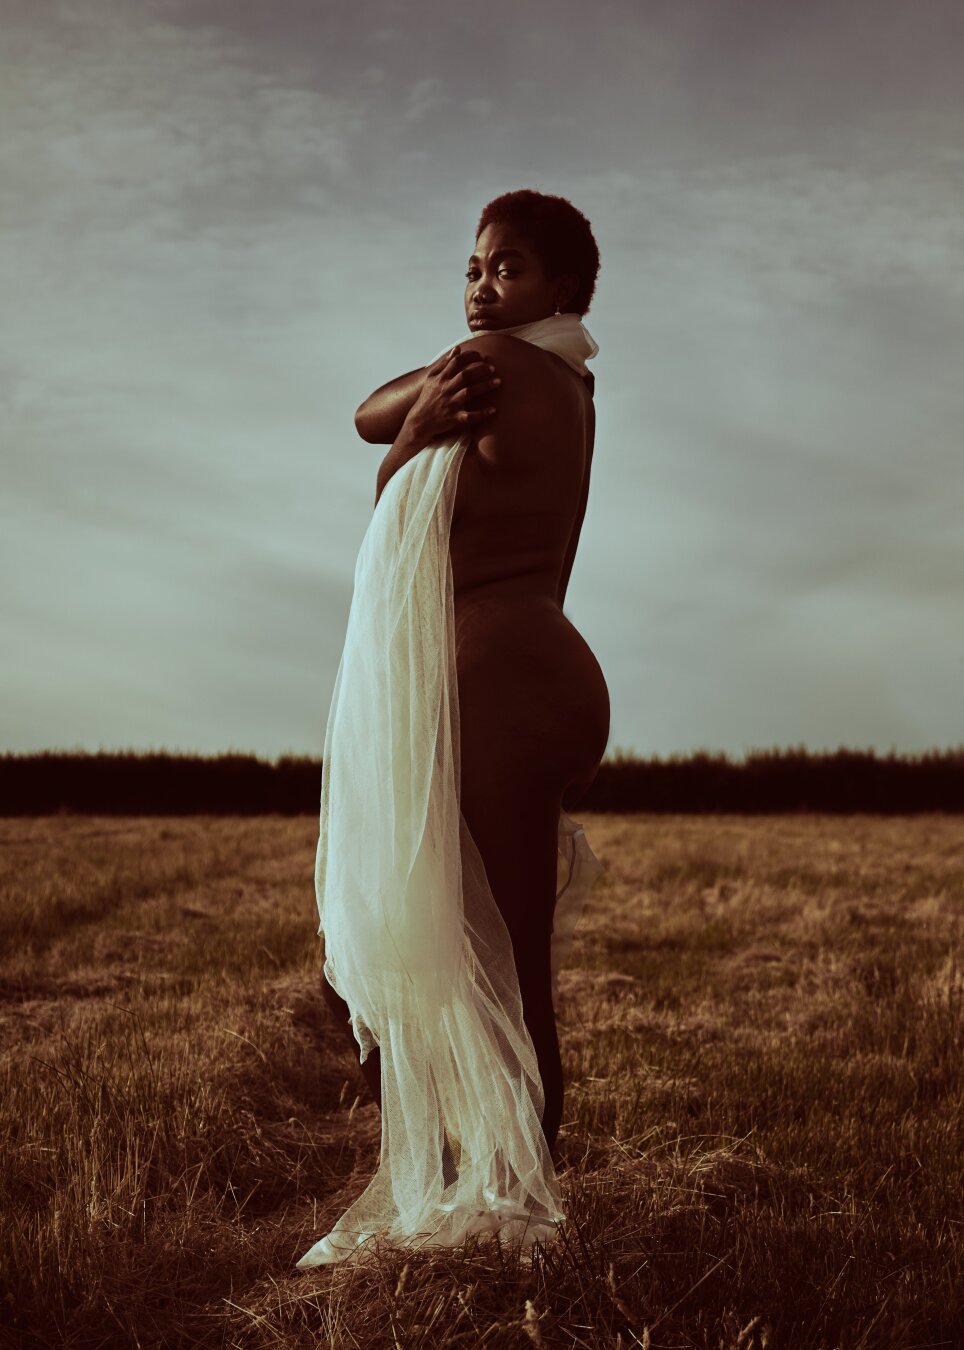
<point>762,1033</point>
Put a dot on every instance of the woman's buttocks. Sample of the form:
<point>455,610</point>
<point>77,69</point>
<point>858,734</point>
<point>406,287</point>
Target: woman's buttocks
<point>524,667</point>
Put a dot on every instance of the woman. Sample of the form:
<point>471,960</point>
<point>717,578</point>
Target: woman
<point>509,429</point>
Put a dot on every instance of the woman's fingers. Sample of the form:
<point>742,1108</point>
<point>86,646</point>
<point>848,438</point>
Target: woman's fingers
<point>461,380</point>
<point>465,361</point>
<point>479,381</point>
<point>482,370</point>
<point>475,361</point>
<point>481,389</point>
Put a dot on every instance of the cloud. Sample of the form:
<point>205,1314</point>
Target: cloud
<point>424,96</point>
<point>226,223</point>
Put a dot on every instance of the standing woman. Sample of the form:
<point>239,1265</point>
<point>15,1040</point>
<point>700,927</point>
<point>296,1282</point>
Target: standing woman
<point>468,714</point>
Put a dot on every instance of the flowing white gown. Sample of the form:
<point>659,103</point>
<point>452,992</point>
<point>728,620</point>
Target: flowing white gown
<point>414,940</point>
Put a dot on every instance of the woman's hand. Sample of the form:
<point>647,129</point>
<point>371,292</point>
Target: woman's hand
<point>456,395</point>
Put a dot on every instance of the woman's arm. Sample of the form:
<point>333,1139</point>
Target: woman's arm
<point>446,405</point>
<point>380,419</point>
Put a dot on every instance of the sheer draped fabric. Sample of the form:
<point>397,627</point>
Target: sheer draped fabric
<point>414,940</point>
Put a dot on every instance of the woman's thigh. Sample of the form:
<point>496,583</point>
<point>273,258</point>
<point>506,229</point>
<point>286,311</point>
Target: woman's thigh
<point>511,807</point>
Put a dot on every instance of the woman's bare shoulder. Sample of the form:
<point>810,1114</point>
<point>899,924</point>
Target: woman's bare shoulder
<point>510,355</point>
<point>502,345</point>
<point>533,406</point>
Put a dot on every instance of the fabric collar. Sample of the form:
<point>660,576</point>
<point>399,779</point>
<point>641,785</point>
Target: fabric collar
<point>564,334</point>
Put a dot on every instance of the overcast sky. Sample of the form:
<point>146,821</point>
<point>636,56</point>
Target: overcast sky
<point>223,223</point>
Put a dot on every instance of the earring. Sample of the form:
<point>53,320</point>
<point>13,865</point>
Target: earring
<point>558,310</point>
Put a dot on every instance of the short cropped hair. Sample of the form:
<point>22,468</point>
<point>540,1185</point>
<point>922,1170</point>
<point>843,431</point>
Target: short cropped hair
<point>558,232</point>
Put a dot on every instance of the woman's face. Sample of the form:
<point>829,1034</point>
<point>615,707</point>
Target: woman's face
<point>506,284</point>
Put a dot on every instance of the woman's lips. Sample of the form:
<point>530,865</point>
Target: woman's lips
<point>481,318</point>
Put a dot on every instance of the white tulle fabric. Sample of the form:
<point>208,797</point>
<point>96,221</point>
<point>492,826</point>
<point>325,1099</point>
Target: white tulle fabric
<point>414,940</point>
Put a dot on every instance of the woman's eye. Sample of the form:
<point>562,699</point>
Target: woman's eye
<point>471,273</point>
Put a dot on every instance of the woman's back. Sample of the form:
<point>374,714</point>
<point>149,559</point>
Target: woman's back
<point>531,692</point>
<point>523,483</point>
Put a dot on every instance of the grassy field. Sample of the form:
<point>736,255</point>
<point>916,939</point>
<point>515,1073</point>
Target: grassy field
<point>762,1032</point>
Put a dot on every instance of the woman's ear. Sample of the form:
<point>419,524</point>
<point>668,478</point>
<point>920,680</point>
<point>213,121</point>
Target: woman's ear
<point>568,285</point>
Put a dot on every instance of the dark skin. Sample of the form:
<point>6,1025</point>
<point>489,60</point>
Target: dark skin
<point>506,282</point>
<point>507,285</point>
<point>526,412</point>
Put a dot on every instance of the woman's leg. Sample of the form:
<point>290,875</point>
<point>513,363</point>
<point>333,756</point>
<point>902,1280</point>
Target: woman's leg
<point>514,822</point>
<point>577,789</point>
<point>517,841</point>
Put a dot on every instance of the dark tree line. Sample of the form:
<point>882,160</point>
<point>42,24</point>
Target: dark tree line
<point>160,783</point>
